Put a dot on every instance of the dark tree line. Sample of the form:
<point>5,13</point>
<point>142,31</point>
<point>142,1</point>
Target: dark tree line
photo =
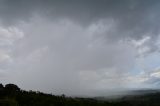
<point>12,95</point>
<point>8,90</point>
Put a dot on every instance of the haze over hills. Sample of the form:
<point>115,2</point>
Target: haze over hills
<point>12,95</point>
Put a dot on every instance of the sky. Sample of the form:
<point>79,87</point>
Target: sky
<point>80,47</point>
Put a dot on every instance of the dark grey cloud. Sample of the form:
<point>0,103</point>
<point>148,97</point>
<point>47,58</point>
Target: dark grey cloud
<point>76,46</point>
<point>133,18</point>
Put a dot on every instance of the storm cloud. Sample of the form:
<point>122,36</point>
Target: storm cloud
<point>79,47</point>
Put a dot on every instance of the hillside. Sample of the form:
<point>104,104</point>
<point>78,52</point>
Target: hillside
<point>12,95</point>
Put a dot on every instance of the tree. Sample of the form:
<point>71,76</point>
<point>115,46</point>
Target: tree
<point>11,89</point>
<point>1,90</point>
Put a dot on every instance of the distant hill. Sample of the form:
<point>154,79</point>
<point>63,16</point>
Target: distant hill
<point>12,95</point>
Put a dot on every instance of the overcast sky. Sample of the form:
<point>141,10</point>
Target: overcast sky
<point>80,47</point>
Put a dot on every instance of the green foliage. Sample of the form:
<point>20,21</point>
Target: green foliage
<point>8,102</point>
